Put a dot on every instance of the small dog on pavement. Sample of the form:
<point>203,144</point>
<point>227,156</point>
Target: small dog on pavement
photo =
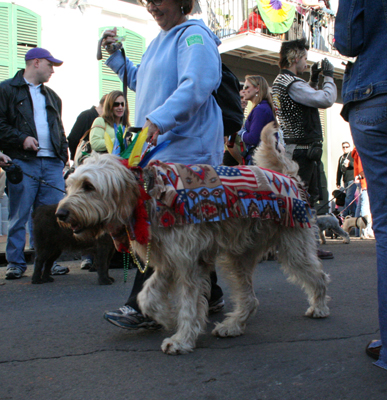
<point>360,223</point>
<point>50,240</point>
<point>184,220</point>
<point>330,221</point>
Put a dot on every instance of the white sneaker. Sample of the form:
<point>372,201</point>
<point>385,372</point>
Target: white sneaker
<point>57,269</point>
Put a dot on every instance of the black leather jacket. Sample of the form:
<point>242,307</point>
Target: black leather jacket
<point>17,119</point>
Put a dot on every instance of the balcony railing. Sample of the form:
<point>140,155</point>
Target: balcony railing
<point>233,17</point>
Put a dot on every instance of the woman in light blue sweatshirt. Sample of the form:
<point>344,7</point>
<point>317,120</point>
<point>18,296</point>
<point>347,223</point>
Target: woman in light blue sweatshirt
<point>174,84</point>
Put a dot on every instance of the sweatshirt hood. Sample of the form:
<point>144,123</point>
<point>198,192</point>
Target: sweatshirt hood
<point>199,22</point>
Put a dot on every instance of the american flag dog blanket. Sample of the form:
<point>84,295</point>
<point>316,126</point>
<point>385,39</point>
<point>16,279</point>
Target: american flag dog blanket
<point>187,194</point>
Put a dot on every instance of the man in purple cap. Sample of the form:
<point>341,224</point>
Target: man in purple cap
<point>32,134</point>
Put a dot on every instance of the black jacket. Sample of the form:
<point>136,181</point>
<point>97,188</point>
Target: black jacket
<point>82,125</point>
<point>300,124</point>
<point>342,172</point>
<point>17,119</point>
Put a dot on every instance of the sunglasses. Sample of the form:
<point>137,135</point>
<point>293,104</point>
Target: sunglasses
<point>117,104</point>
<point>155,2</point>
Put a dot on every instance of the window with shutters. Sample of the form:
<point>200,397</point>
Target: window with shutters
<point>134,45</point>
<point>19,32</point>
<point>323,115</point>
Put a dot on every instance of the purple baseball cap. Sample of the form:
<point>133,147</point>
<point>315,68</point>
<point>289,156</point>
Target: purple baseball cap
<point>38,52</point>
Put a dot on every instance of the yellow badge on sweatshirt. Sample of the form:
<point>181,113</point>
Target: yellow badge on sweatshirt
<point>194,39</point>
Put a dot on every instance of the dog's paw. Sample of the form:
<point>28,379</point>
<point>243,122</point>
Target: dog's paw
<point>46,279</point>
<point>106,280</point>
<point>314,312</point>
<point>225,329</point>
<point>35,281</point>
<point>174,347</point>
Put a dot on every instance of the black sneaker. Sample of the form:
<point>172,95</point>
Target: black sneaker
<point>128,318</point>
<point>216,306</point>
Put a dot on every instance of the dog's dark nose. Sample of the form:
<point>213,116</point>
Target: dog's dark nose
<point>62,214</point>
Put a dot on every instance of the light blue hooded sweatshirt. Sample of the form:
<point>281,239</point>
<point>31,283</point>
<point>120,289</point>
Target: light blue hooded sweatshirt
<point>174,84</point>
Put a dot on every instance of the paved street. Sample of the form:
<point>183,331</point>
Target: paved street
<point>54,343</point>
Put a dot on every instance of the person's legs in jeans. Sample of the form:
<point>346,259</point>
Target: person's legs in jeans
<point>368,121</point>
<point>350,195</point>
<point>365,211</point>
<point>21,198</point>
<point>358,209</point>
<point>52,173</point>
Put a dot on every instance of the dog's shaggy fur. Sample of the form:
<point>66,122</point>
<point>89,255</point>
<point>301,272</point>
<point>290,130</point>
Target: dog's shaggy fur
<point>51,240</point>
<point>360,223</point>
<point>325,222</point>
<point>102,194</point>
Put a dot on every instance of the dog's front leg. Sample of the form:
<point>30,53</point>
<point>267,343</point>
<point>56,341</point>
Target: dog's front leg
<point>322,236</point>
<point>192,287</point>
<point>153,298</point>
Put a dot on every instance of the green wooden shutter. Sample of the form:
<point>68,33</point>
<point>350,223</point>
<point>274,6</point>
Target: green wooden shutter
<point>19,32</point>
<point>5,40</point>
<point>134,46</point>
<point>27,34</point>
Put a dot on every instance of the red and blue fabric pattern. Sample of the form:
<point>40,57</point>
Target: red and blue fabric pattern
<point>200,193</point>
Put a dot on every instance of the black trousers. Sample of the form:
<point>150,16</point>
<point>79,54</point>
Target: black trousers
<point>139,280</point>
<point>309,172</point>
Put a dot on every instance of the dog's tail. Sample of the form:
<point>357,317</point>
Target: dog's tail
<point>267,155</point>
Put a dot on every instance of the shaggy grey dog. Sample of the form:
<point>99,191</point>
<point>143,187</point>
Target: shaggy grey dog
<point>325,222</point>
<point>102,196</point>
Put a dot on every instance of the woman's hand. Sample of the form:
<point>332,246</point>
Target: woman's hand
<point>109,37</point>
<point>153,132</point>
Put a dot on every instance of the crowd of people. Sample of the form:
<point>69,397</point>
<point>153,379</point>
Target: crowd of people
<point>184,58</point>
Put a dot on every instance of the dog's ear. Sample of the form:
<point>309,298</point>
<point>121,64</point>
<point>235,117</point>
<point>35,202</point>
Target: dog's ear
<point>267,155</point>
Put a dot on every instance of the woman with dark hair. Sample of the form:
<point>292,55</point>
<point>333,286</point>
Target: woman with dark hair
<point>256,90</point>
<point>115,113</point>
<point>174,82</point>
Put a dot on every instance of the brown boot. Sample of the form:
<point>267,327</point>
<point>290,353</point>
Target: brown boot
<point>324,255</point>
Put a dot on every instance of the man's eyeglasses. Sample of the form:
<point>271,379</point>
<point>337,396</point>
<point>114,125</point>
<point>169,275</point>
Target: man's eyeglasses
<point>117,104</point>
<point>155,2</point>
<point>345,147</point>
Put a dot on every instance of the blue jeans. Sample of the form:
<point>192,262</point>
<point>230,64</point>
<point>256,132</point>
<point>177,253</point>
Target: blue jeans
<point>30,194</point>
<point>368,121</point>
<point>363,209</point>
<point>350,195</point>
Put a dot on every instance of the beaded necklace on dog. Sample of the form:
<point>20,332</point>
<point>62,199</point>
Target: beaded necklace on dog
<point>139,231</point>
<point>132,159</point>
